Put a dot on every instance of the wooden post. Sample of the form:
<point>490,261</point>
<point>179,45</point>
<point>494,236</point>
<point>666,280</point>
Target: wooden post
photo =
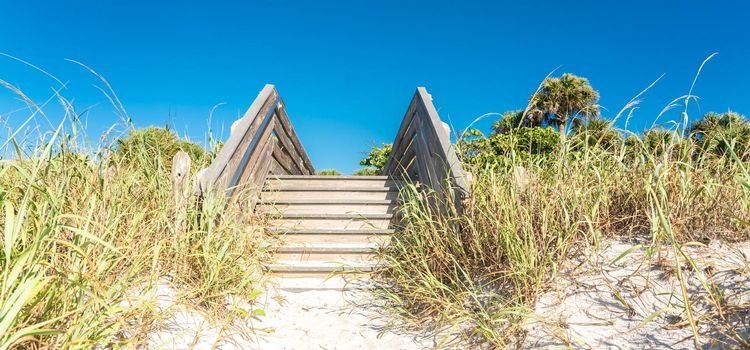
<point>180,188</point>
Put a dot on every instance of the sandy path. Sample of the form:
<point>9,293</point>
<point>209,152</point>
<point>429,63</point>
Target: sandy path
<point>595,303</point>
<point>332,320</point>
<point>316,319</point>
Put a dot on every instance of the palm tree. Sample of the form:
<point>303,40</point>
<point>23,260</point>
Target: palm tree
<point>511,120</point>
<point>597,131</point>
<point>563,98</point>
<point>718,132</point>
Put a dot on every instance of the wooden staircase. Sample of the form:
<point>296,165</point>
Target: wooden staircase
<point>330,227</point>
<point>327,224</point>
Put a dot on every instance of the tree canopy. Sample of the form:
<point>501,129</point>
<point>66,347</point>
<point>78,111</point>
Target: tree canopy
<point>717,133</point>
<point>563,98</point>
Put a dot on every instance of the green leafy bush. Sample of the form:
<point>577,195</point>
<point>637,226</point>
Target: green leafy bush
<point>377,157</point>
<point>596,132</point>
<point>717,133</point>
<point>512,120</point>
<point>477,149</point>
<point>329,172</point>
<point>367,172</point>
<point>156,146</point>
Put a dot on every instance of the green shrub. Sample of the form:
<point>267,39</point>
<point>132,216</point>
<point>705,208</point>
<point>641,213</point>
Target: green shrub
<point>156,146</point>
<point>717,133</point>
<point>595,132</point>
<point>329,172</point>
<point>477,149</point>
<point>377,157</point>
<point>367,172</point>
<point>512,120</point>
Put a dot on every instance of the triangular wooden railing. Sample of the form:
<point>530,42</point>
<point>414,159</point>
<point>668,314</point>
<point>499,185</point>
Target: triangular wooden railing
<point>423,152</point>
<point>261,143</point>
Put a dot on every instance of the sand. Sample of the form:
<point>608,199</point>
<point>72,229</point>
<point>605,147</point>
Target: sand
<point>632,304</point>
<point>593,303</point>
<point>314,319</point>
<point>335,320</point>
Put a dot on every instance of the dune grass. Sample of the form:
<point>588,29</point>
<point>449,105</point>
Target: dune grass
<point>482,270</point>
<point>89,236</point>
<point>488,265</point>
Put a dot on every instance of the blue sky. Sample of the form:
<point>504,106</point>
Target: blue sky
<point>347,69</point>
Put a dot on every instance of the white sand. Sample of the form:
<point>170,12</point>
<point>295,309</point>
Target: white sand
<point>334,320</point>
<point>582,309</point>
<point>317,319</point>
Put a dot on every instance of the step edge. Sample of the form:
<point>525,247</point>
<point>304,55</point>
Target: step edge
<point>331,177</point>
<point>267,189</point>
<point>333,216</point>
<point>329,201</point>
<point>319,268</point>
<point>327,248</point>
<point>281,230</point>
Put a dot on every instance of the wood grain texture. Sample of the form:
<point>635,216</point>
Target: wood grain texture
<point>262,142</point>
<point>287,125</point>
<point>422,149</point>
<point>180,186</point>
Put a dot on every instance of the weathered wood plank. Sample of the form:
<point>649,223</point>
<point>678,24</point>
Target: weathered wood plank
<point>446,147</point>
<point>412,171</point>
<point>289,148</point>
<point>276,168</point>
<point>389,166</point>
<point>261,141</point>
<point>286,161</point>
<point>405,141</point>
<point>264,163</point>
<point>238,139</point>
<point>287,125</point>
<point>241,159</point>
<point>408,155</point>
<point>429,169</point>
<point>422,149</point>
<point>180,172</point>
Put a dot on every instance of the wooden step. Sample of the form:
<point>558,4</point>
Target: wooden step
<point>328,236</point>
<point>328,194</point>
<point>336,216</point>
<point>284,231</point>
<point>313,252</point>
<point>317,270</point>
<point>330,181</point>
<point>330,201</point>
<point>329,226</point>
<point>328,206</point>
<point>328,248</point>
<point>328,188</point>
<point>329,177</point>
<point>332,221</point>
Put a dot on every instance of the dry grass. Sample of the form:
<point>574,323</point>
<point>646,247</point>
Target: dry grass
<point>483,271</point>
<point>87,236</point>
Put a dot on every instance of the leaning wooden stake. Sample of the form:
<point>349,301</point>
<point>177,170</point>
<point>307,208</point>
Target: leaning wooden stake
<point>180,189</point>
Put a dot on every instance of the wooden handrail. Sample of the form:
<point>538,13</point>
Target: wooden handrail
<point>261,143</point>
<point>423,152</point>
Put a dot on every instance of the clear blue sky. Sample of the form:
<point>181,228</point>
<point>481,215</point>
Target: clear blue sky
<point>347,69</point>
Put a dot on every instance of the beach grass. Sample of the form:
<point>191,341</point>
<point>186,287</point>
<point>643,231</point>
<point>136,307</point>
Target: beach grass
<point>481,270</point>
<point>91,236</point>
